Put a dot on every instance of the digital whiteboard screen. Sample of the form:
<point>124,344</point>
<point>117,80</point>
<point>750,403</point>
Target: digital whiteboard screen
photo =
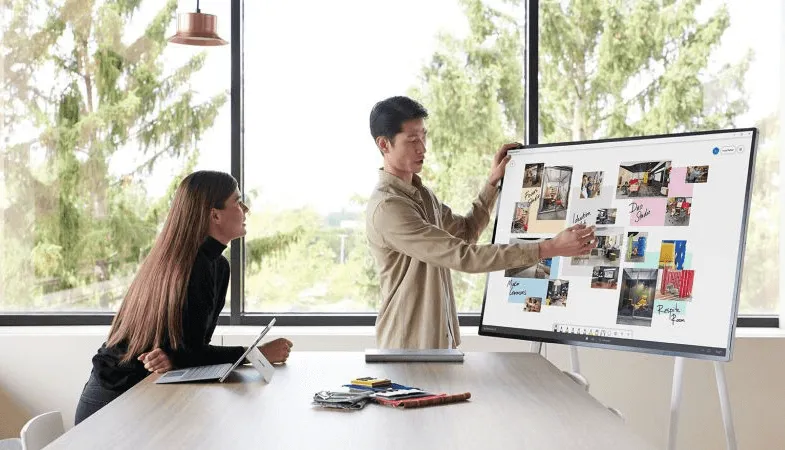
<point>663,273</point>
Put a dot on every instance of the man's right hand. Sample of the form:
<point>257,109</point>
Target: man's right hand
<point>574,241</point>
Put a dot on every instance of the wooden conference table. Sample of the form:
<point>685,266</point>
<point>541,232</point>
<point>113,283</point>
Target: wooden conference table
<point>519,401</point>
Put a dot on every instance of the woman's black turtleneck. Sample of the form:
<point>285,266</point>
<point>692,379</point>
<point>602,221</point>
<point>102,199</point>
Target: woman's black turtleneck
<point>204,301</point>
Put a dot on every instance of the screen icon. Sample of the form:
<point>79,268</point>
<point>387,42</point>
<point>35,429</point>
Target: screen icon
<point>716,150</point>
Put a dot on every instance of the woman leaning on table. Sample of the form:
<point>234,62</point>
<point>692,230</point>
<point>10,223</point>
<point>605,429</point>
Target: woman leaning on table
<point>169,313</point>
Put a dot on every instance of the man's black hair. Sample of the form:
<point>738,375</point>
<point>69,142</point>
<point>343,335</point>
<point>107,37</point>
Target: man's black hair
<point>388,116</point>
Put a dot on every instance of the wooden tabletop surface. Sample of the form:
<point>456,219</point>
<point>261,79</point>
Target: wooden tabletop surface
<point>519,401</point>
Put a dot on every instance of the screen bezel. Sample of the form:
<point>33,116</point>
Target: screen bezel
<point>653,347</point>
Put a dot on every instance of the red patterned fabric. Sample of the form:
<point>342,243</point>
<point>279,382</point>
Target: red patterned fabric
<point>431,400</point>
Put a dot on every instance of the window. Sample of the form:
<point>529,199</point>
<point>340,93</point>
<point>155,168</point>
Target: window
<point>718,66</point>
<point>310,161</point>
<point>100,115</point>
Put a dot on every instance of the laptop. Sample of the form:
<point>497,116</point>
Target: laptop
<point>413,355</point>
<point>221,371</point>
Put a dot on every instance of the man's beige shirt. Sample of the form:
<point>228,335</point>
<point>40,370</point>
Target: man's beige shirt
<point>416,240</point>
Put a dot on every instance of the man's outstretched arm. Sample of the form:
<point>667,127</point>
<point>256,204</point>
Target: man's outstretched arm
<point>403,229</point>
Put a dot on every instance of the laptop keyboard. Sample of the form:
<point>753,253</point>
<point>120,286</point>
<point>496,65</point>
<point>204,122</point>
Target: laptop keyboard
<point>206,372</point>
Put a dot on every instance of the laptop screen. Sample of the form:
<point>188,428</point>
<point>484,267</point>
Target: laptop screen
<point>252,346</point>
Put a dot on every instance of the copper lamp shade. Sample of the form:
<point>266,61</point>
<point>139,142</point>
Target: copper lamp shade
<point>197,29</point>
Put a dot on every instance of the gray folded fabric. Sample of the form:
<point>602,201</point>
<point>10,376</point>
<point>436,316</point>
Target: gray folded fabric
<point>341,400</point>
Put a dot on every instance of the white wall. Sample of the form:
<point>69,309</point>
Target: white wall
<point>44,369</point>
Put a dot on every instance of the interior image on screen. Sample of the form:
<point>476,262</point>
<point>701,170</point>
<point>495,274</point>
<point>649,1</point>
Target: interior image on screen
<point>662,274</point>
<point>555,190</point>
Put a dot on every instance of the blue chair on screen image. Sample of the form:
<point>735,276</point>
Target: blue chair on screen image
<point>641,245</point>
<point>681,252</point>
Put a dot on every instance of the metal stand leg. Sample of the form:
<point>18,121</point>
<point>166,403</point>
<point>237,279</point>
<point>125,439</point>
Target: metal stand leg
<point>575,373</point>
<point>536,347</point>
<point>678,371</point>
<point>727,417</point>
<point>722,390</point>
<point>576,364</point>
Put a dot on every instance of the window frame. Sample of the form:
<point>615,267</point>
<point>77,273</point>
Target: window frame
<point>237,315</point>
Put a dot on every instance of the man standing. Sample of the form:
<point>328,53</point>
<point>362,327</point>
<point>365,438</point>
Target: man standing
<point>416,240</point>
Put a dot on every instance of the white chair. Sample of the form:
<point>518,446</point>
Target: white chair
<point>11,444</point>
<point>41,430</point>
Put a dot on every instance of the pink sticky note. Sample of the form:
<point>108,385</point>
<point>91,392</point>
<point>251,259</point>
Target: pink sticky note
<point>678,186</point>
<point>646,212</point>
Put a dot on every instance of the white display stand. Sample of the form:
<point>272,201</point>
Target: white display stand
<point>722,390</point>
<point>575,365</point>
<point>676,388</point>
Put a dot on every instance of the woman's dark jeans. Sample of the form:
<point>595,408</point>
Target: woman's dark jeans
<point>94,397</point>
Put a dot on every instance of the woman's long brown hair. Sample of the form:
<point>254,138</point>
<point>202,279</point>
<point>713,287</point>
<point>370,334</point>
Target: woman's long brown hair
<point>152,311</point>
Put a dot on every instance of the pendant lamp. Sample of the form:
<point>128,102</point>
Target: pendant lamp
<point>197,29</point>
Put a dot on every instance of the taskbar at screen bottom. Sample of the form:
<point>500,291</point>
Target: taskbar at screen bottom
<point>615,339</point>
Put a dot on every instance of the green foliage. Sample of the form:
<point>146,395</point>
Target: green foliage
<point>759,288</point>
<point>293,282</point>
<point>356,282</point>
<point>87,92</point>
<point>260,248</point>
<point>308,274</point>
<point>600,76</point>
<point>473,85</point>
<point>607,68</point>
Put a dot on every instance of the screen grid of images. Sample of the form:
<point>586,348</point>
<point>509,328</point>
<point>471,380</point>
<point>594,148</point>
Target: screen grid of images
<point>645,277</point>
